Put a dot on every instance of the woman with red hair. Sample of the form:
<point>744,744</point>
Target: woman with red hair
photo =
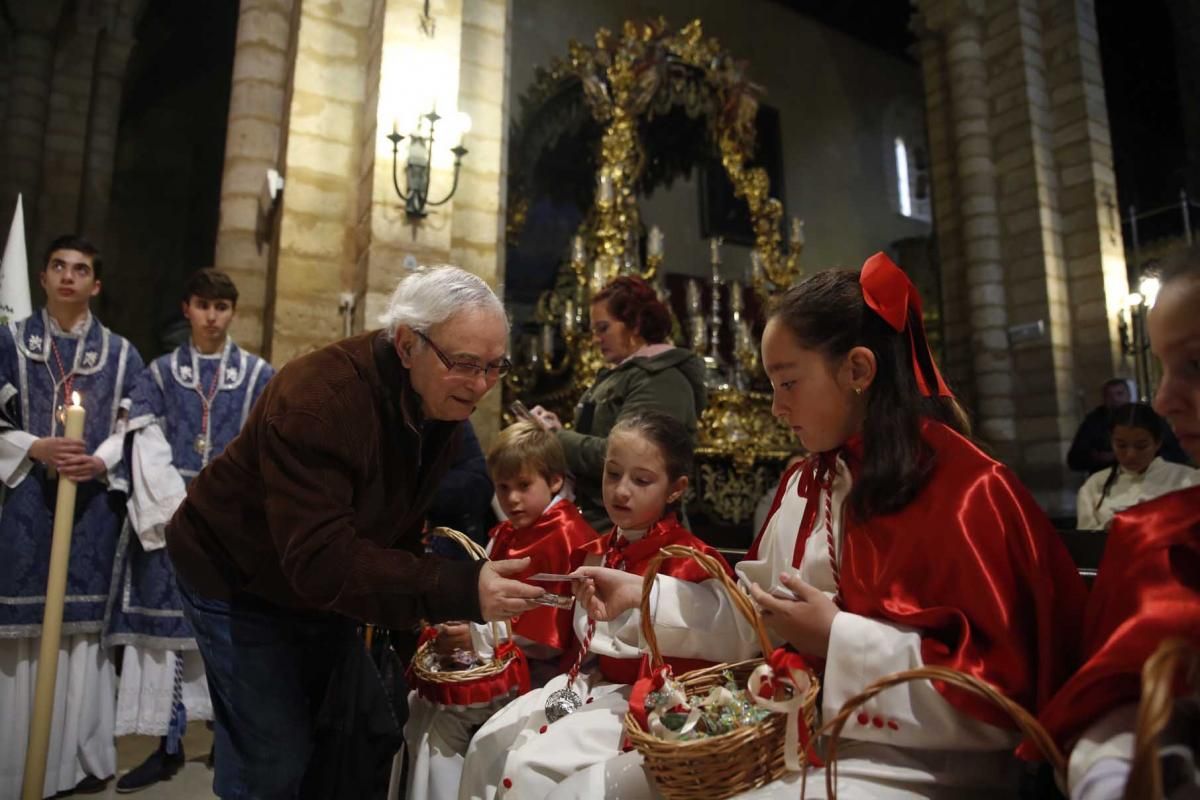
<point>631,327</point>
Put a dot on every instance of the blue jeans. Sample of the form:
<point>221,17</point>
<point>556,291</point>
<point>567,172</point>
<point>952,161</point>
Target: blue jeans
<point>268,669</point>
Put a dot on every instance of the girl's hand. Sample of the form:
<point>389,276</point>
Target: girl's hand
<point>548,419</point>
<point>453,636</point>
<point>804,622</point>
<point>607,593</point>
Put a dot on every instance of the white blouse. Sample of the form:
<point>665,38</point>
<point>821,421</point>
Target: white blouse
<point>1129,489</point>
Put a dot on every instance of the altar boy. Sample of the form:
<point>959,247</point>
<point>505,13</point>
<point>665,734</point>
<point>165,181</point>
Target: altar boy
<point>186,407</point>
<point>61,350</point>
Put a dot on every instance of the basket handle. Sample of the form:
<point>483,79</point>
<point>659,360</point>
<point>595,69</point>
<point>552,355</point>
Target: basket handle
<point>713,567</point>
<point>1025,721</point>
<point>1154,712</point>
<point>476,553</point>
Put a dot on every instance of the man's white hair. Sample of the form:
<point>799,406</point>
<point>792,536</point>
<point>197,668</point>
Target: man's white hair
<point>431,295</point>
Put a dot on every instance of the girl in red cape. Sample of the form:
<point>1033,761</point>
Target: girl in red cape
<point>528,468</point>
<point>1148,585</point>
<point>899,544</point>
<point>521,752</point>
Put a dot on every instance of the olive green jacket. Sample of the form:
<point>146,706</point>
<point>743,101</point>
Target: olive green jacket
<point>671,382</point>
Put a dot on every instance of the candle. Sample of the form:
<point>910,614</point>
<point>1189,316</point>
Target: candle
<point>797,231</point>
<point>56,590</point>
<point>654,246</point>
<point>714,249</point>
<point>547,341</point>
<point>578,254</point>
<point>604,191</point>
<point>693,296</point>
<point>569,316</point>
<point>756,267</point>
<point>735,297</point>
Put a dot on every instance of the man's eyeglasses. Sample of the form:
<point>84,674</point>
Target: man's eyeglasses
<point>468,369</point>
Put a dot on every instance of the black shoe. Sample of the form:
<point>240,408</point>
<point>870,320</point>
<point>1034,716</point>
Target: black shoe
<point>89,785</point>
<point>160,766</point>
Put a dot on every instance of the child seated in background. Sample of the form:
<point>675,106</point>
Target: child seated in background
<point>527,466</point>
<point>1138,475</point>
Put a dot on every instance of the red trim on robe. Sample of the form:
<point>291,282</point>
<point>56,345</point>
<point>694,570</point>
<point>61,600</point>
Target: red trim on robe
<point>1147,589</point>
<point>637,555</point>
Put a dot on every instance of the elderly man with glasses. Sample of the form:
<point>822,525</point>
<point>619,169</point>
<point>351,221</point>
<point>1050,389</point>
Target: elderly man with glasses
<point>310,521</point>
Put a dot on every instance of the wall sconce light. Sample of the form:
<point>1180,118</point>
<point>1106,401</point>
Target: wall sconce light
<point>416,166</point>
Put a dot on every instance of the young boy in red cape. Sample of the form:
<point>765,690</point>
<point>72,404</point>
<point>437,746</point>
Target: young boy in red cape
<point>528,467</point>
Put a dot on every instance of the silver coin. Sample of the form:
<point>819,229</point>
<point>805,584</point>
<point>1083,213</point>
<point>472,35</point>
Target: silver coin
<point>562,703</point>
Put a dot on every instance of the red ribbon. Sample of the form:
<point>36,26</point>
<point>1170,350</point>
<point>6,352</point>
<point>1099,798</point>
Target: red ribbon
<point>890,294</point>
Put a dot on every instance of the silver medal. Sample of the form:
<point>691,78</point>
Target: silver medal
<point>201,444</point>
<point>561,703</point>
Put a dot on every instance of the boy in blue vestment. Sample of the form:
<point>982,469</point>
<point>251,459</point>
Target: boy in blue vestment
<point>61,350</point>
<point>185,408</point>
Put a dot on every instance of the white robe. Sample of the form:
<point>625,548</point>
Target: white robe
<point>81,731</point>
<point>913,743</point>
<point>519,754</point>
<point>147,690</point>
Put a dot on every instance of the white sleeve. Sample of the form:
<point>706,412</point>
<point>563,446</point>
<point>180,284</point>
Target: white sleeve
<point>156,487</point>
<point>692,620</point>
<point>1086,518</point>
<point>15,461</point>
<point>110,450</point>
<point>913,714</point>
<point>1099,763</point>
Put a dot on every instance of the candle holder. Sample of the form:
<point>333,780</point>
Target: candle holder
<point>416,167</point>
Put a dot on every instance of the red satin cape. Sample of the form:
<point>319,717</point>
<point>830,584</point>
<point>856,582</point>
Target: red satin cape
<point>548,543</point>
<point>1147,589</point>
<point>974,565</point>
<point>637,555</point>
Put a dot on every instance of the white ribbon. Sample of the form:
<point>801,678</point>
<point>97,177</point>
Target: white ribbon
<point>800,683</point>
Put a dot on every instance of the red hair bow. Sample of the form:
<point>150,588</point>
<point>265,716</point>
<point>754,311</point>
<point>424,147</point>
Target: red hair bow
<point>890,294</point>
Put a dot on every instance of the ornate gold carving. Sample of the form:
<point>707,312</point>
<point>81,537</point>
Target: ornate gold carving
<point>624,78</point>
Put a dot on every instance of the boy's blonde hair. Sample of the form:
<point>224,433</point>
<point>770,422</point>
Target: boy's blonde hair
<point>526,446</point>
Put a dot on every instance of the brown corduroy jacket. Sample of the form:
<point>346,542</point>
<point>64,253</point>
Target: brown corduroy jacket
<point>318,504</point>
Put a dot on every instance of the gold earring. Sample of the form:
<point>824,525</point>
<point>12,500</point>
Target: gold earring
<point>858,391</point>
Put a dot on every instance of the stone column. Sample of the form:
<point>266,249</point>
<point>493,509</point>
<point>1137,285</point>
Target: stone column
<point>66,131</point>
<point>477,238</point>
<point>967,81</point>
<point>112,57</point>
<point>317,251</point>
<point>1022,174</point>
<point>32,61</point>
<point>261,71</point>
<point>1087,188</point>
<point>5,66</point>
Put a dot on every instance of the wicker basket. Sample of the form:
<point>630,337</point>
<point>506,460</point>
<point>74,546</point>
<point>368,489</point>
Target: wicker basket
<point>717,766</point>
<point>428,683</point>
<point>1154,712</point>
<point>1025,721</point>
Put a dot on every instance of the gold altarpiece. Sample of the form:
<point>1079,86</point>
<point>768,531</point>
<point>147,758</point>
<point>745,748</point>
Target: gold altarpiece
<point>626,78</point>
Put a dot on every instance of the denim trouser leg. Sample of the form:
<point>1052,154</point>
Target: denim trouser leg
<point>267,671</point>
